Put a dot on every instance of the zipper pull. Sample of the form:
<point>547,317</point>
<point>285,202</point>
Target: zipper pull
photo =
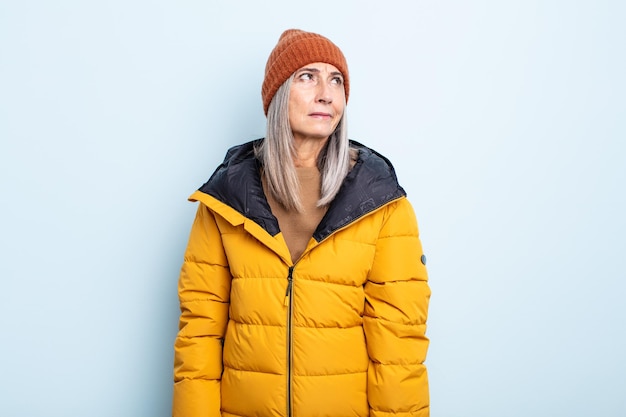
<point>289,282</point>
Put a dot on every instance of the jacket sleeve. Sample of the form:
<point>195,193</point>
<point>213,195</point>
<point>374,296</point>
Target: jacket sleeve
<point>397,296</point>
<point>204,291</point>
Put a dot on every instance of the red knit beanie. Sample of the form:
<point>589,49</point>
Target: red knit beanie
<point>294,50</point>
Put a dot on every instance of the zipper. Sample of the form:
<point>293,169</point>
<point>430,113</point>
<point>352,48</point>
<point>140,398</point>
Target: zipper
<point>289,283</point>
<point>289,299</point>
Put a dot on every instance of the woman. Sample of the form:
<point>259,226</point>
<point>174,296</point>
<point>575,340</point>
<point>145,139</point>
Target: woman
<point>303,290</point>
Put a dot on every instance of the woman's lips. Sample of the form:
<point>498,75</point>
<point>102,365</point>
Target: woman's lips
<point>320,115</point>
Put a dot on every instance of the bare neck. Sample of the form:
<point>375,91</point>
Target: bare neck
<point>307,151</point>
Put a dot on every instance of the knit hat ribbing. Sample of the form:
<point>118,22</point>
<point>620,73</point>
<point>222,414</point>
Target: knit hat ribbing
<point>295,49</point>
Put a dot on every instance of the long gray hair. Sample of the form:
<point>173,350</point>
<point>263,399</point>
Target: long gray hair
<point>276,154</point>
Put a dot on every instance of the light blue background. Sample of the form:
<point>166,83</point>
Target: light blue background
<point>505,120</point>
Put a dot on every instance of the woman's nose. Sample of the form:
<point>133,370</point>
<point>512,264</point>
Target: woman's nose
<point>323,94</point>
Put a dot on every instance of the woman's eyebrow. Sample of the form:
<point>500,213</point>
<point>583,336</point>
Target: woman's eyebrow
<point>309,70</point>
<point>317,71</point>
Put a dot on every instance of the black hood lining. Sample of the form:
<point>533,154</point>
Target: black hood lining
<point>370,184</point>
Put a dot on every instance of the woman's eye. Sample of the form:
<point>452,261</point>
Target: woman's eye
<point>306,76</point>
<point>337,80</point>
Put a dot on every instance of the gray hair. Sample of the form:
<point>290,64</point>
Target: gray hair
<point>276,154</point>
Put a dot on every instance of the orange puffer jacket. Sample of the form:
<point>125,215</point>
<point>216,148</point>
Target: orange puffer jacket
<point>339,333</point>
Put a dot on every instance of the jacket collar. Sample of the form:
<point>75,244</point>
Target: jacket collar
<point>371,184</point>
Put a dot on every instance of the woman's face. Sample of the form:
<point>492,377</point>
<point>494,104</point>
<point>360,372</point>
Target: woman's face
<point>316,101</point>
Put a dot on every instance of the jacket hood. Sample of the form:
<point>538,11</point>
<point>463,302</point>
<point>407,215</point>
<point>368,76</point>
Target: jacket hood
<point>369,185</point>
